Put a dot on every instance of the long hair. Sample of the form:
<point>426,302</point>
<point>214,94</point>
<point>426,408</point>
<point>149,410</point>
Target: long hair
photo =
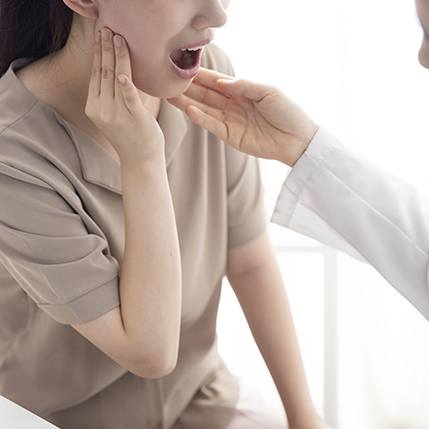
<point>32,28</point>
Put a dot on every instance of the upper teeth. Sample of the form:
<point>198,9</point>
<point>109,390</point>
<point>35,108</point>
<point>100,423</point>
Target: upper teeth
<point>191,49</point>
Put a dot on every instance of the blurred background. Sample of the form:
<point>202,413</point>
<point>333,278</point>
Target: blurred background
<point>352,65</point>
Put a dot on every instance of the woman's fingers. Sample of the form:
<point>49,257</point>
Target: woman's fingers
<point>94,83</point>
<point>123,61</point>
<point>107,65</point>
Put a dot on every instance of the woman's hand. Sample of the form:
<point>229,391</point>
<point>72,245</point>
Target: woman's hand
<point>253,118</point>
<point>118,109</point>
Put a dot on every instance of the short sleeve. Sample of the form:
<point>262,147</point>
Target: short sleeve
<point>247,217</point>
<point>47,249</point>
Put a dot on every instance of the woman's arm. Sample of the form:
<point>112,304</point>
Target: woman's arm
<point>349,203</point>
<point>254,275</point>
<point>143,333</point>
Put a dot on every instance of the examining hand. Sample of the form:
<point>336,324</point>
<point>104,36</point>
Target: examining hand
<point>253,118</point>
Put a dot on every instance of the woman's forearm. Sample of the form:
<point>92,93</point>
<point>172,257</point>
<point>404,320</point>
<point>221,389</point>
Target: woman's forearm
<point>264,301</point>
<point>151,278</point>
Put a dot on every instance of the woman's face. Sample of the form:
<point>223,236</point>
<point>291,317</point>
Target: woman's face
<point>423,13</point>
<point>153,29</point>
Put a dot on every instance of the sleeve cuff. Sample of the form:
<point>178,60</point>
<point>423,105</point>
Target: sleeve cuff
<point>87,307</point>
<point>319,149</point>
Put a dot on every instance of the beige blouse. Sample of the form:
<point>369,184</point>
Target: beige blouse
<point>61,247</point>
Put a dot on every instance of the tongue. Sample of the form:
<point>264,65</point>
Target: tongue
<point>183,59</point>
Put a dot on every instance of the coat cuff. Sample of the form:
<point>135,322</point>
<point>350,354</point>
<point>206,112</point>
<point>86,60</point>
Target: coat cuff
<point>302,174</point>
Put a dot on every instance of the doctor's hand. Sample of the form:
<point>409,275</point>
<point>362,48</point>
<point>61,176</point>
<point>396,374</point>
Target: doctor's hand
<point>253,118</point>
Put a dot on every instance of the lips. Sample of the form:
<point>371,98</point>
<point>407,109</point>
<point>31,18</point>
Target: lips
<point>187,57</point>
<point>199,44</point>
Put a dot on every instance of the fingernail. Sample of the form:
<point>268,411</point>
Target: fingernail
<point>118,41</point>
<point>106,34</point>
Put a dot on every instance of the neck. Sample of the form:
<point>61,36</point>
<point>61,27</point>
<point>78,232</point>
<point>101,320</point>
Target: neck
<point>62,82</point>
<point>68,79</point>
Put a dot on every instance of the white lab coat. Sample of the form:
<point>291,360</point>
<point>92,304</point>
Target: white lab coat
<point>349,203</point>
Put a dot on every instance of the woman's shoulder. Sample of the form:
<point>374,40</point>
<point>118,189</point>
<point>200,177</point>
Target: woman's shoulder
<point>35,149</point>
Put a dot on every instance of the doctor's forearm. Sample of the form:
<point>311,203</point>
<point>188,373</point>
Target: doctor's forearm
<point>356,206</point>
<point>264,301</point>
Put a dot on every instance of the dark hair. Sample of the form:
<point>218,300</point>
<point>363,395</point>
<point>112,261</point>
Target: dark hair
<point>32,28</point>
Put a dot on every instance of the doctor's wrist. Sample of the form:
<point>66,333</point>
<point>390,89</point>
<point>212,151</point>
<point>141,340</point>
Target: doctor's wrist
<point>294,149</point>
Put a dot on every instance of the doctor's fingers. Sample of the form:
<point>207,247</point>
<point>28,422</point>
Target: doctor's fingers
<point>207,77</point>
<point>211,119</point>
<point>207,96</point>
<point>230,85</point>
<point>183,102</point>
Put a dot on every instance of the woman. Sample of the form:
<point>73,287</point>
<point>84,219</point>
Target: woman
<point>120,218</point>
<point>330,194</point>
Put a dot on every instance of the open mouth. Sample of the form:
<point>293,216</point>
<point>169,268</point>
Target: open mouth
<point>186,58</point>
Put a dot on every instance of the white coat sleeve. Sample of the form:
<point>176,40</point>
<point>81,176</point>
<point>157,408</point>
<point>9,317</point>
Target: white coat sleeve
<point>351,204</point>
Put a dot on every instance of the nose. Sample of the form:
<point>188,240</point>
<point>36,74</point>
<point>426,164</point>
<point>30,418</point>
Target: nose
<point>212,14</point>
